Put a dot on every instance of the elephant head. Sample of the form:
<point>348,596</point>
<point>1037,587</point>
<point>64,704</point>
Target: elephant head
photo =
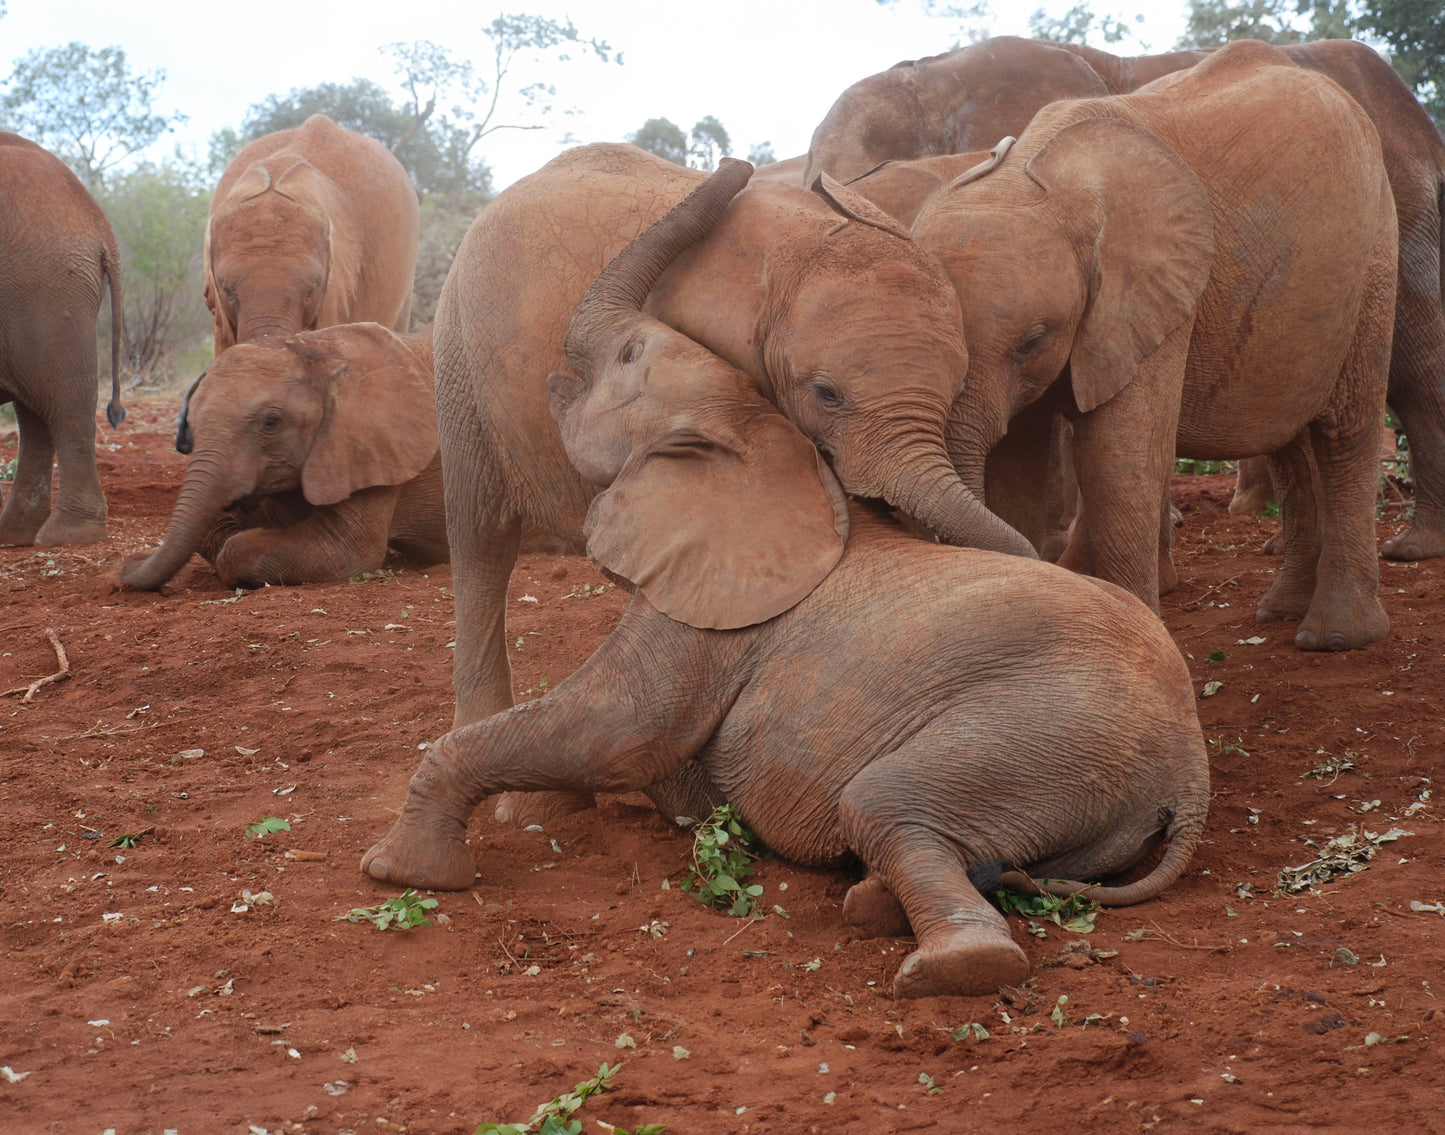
<point>851,330</point>
<point>271,254</point>
<point>716,507</point>
<point>1075,257</point>
<point>327,413</point>
<point>945,104</point>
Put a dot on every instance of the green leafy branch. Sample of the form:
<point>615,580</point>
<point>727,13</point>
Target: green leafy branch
<point>555,1116</point>
<point>405,912</point>
<point>1073,913</point>
<point>722,861</point>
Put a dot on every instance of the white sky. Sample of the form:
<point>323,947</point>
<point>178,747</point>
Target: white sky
<point>767,69</point>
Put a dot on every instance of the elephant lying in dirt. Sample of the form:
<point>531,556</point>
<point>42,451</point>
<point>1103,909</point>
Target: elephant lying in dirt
<point>1005,715</point>
<point>311,458</point>
<point>1205,266</point>
<point>57,253</point>
<point>310,227</point>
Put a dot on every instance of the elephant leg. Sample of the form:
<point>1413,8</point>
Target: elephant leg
<point>633,715</point>
<point>79,516</point>
<point>1417,395</point>
<point>964,945</point>
<point>336,542</point>
<point>1017,476</point>
<point>1252,488</point>
<point>874,911</point>
<point>28,505</point>
<point>1295,479</point>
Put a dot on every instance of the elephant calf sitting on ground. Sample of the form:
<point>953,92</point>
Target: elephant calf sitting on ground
<point>1006,714</point>
<point>312,458</point>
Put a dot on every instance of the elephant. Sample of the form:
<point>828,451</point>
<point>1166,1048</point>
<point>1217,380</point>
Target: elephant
<point>57,254</point>
<point>791,287</point>
<point>993,748</point>
<point>311,458</point>
<point>969,98</point>
<point>309,228</point>
<point>1134,263</point>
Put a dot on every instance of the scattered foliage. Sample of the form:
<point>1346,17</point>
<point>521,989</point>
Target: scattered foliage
<point>555,1116</point>
<point>1343,855</point>
<point>267,825</point>
<point>722,860</point>
<point>406,911</point>
<point>1075,913</point>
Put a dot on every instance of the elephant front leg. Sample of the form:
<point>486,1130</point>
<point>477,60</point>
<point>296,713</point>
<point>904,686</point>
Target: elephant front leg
<point>964,945</point>
<point>28,504</point>
<point>335,542</point>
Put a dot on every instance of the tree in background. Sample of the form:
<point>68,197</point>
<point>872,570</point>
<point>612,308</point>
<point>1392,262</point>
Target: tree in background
<point>158,213</point>
<point>85,106</point>
<point>662,137</point>
<point>761,154</point>
<point>710,143</point>
<point>1079,25</point>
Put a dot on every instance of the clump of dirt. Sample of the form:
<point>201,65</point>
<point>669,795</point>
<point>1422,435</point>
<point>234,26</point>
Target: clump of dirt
<point>193,976</point>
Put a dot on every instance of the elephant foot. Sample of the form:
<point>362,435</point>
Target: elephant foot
<point>1274,546</point>
<point>1417,542</point>
<point>874,911</point>
<point>965,962</point>
<point>1343,626</point>
<point>413,856</point>
<point>1168,575</point>
<point>526,809</point>
<point>1283,603</point>
<point>1249,500</point>
<point>60,529</point>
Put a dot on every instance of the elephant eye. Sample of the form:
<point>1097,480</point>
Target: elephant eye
<point>827,393</point>
<point>630,350</point>
<point>1036,335</point>
<point>271,422</point>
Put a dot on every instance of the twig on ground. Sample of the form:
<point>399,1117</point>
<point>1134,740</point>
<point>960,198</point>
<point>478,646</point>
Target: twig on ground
<point>59,676</point>
<point>1205,595</point>
<point>1190,945</point>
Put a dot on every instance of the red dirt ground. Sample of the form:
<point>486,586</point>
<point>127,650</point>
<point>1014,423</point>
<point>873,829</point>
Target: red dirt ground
<point>140,992</point>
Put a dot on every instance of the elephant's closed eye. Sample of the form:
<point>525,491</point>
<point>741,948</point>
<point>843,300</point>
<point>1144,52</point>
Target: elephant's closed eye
<point>631,350</point>
<point>828,394</point>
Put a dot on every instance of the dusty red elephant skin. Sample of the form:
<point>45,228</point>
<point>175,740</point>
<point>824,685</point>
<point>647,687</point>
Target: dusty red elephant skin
<point>1220,1011</point>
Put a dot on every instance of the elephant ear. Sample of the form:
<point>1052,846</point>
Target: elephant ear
<point>856,207</point>
<point>721,532</point>
<point>1153,247</point>
<point>379,424</point>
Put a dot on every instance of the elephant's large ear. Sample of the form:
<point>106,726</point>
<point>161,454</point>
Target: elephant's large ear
<point>1153,250</point>
<point>379,425</point>
<point>722,532</point>
<point>855,206</point>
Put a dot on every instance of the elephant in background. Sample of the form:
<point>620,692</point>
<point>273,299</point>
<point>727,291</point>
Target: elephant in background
<point>826,302</point>
<point>969,98</point>
<point>57,254</point>
<point>310,228</point>
<point>311,458</point>
<point>942,772</point>
<point>1136,264</point>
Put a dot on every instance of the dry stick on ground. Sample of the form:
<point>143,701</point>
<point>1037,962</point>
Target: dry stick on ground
<point>59,676</point>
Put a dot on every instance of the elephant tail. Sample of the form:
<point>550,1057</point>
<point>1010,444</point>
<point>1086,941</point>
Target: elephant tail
<point>1184,829</point>
<point>110,267</point>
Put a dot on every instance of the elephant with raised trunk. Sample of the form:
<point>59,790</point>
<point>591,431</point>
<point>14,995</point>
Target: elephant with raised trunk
<point>946,772</point>
<point>311,458</point>
<point>1205,266</point>
<point>309,228</point>
<point>969,98</point>
<point>826,302</point>
<point>57,254</point>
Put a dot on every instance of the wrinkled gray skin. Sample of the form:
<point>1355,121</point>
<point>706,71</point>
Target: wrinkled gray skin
<point>970,98</point>
<point>825,302</point>
<point>57,253</point>
<point>1059,701</point>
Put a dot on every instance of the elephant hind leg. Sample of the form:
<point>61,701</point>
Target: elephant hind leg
<point>964,945</point>
<point>1292,471</point>
<point>28,504</point>
<point>1252,488</point>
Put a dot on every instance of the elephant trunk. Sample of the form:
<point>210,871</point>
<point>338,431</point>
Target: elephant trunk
<point>621,289</point>
<point>204,493</point>
<point>934,495</point>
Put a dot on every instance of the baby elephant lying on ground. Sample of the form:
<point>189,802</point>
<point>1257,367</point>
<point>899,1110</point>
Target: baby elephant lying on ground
<point>311,458</point>
<point>943,715</point>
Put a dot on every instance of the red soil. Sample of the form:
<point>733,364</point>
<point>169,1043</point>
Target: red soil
<point>136,993</point>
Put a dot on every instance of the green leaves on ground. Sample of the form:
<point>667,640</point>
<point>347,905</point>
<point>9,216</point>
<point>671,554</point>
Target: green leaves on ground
<point>722,861</point>
<point>1343,855</point>
<point>405,912</point>
<point>267,825</point>
<point>1074,913</point>
<point>555,1116</point>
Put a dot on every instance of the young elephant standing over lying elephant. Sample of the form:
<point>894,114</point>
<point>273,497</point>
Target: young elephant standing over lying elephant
<point>310,458</point>
<point>983,728</point>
